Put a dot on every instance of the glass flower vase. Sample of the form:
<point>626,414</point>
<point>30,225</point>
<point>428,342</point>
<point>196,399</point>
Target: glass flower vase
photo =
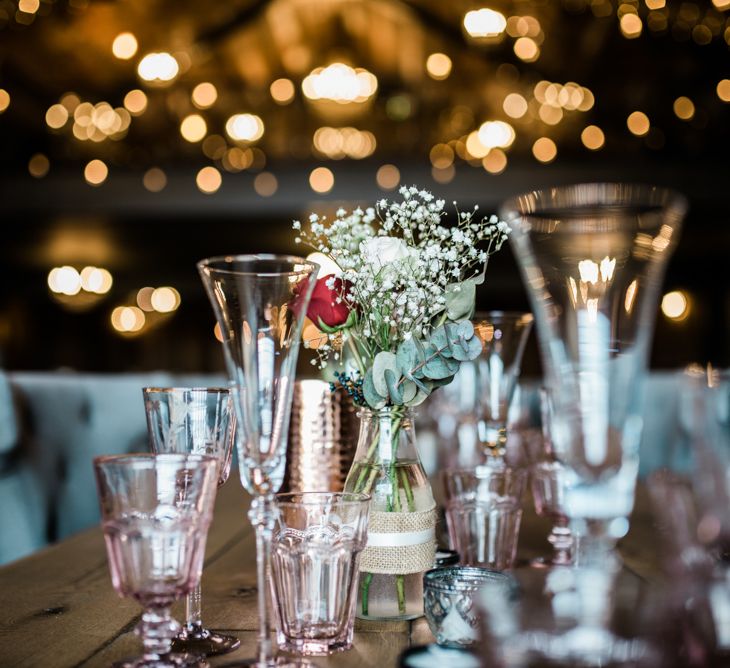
<point>401,535</point>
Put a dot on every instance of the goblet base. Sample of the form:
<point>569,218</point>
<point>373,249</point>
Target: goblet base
<point>195,639</point>
<point>548,562</point>
<point>276,662</point>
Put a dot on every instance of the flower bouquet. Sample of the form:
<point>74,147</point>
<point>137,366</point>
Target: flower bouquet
<point>394,315</point>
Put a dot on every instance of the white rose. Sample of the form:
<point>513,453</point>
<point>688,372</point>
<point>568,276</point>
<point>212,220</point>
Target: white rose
<point>381,251</point>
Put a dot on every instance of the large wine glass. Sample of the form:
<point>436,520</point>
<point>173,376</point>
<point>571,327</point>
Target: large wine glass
<point>155,514</point>
<point>194,420</point>
<point>260,302</point>
<point>593,257</point>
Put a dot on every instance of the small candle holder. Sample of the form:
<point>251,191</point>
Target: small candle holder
<point>450,602</point>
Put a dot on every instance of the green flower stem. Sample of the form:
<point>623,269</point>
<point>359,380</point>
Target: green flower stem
<point>400,588</point>
<point>356,354</point>
<point>408,491</point>
<point>366,580</point>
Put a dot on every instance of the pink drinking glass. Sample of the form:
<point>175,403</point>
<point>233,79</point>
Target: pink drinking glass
<point>155,514</point>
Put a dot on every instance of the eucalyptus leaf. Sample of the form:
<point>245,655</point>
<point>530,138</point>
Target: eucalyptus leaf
<point>439,366</point>
<point>408,389</point>
<point>465,329</point>
<point>460,299</point>
<point>396,396</point>
<point>441,382</point>
<point>468,349</point>
<point>408,356</point>
<point>384,360</point>
<point>421,395</point>
<point>375,400</point>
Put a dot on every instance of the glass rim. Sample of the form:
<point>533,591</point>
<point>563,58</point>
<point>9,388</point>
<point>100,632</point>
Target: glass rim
<point>507,315</point>
<point>151,458</point>
<point>209,390</point>
<point>206,264</point>
<point>475,471</point>
<point>339,498</point>
<point>367,411</point>
<point>434,578</point>
<point>637,193</point>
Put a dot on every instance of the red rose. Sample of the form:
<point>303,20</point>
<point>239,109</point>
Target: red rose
<point>330,306</point>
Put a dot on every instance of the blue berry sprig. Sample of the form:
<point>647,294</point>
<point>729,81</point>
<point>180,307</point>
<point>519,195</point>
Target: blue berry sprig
<point>350,383</point>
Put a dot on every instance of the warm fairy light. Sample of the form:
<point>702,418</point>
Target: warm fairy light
<point>514,105</point>
<point>70,101</point>
<point>217,332</point>
<point>135,102</point>
<point>549,114</point>
<point>158,68</point>
<point>722,5</point>
<point>445,175</point>
<point>144,299</point>
<point>99,122</point>
<point>96,172</point>
<point>438,66</point>
<point>321,180</point>
<point>154,179</point>
<point>388,177</point>
<point>474,146</point>
<point>4,100</point>
<point>165,300</point>
<point>657,4</point>
<point>684,108</point>
<point>723,90</point>
<point>495,161</point>
<point>338,143</point>
<point>193,128</point>
<point>592,137</point>
<point>56,116</point>
<point>245,127</point>
<point>441,156</point>
<point>496,134</point>
<point>675,305</point>
<point>64,280</point>
<point>236,159</point>
<point>631,25</point>
<point>204,95</point>
<point>588,100</point>
<point>526,49</point>
<point>265,184</point>
<point>340,83</point>
<point>484,23</point>
<point>124,46</point>
<point>96,279</point>
<point>127,319</point>
<point>638,123</point>
<point>214,146</point>
<point>544,149</point>
<point>29,6</point>
<point>38,165</point>
<point>208,180</point>
<point>282,91</point>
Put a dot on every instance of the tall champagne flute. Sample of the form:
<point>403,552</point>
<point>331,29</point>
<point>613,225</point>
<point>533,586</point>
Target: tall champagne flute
<point>593,257</point>
<point>195,420</point>
<point>260,302</point>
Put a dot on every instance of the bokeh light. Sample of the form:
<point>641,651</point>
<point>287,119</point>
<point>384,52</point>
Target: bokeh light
<point>64,280</point>
<point>96,280</point>
<point>265,184</point>
<point>56,116</point>
<point>592,137</point>
<point>484,23</point>
<point>154,179</point>
<point>638,123</point>
<point>4,100</point>
<point>204,95</point>
<point>545,150</point>
<point>135,102</point>
<point>443,175</point>
<point>245,127</point>
<point>124,45</point>
<point>495,162</point>
<point>159,68</point>
<point>438,66</point>
<point>165,299</point>
<point>193,128</point>
<point>96,172</point>
<point>514,105</point>
<point>340,83</point>
<point>38,165</point>
<point>496,134</point>
<point>282,91</point>
<point>631,25</point>
<point>723,90</point>
<point>675,305</point>
<point>684,108</point>
<point>208,180</point>
<point>128,319</point>
<point>321,180</point>
<point>526,49</point>
<point>29,6</point>
<point>387,177</point>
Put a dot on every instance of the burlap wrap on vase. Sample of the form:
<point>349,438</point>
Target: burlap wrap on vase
<point>404,543</point>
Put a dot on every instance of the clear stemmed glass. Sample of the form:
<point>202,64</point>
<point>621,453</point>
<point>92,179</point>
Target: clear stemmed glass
<point>504,336</point>
<point>155,511</point>
<point>260,302</point>
<point>196,420</point>
<point>548,480</point>
<point>593,256</point>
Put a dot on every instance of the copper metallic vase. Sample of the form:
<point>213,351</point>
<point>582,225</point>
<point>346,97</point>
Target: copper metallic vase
<point>323,433</point>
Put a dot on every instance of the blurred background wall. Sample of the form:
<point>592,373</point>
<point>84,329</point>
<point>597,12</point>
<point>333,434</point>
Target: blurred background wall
<point>138,137</point>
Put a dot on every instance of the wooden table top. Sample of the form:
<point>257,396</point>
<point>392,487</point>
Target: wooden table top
<point>58,608</point>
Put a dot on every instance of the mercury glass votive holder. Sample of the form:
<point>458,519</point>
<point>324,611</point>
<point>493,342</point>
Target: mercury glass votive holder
<point>450,596</point>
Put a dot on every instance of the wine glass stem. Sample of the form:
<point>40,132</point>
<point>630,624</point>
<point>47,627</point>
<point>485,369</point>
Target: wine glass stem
<point>193,609</point>
<point>157,629</point>
<point>561,538</point>
<point>262,517</point>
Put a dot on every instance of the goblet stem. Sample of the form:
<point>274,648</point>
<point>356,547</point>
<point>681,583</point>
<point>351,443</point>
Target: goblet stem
<point>193,609</point>
<point>561,538</point>
<point>492,438</point>
<point>157,630</point>
<point>262,518</point>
